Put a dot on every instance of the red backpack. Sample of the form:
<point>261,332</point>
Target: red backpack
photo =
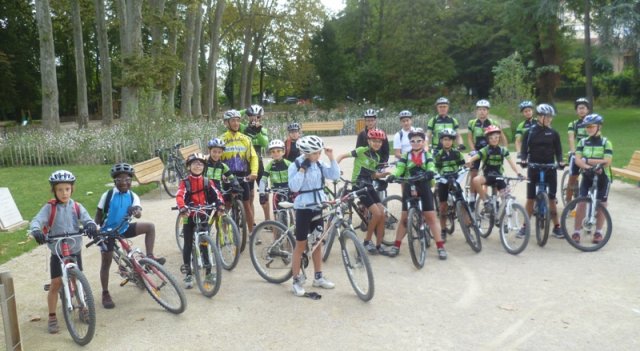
<point>52,215</point>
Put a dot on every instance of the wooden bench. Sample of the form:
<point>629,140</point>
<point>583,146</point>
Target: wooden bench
<point>632,170</point>
<point>188,150</point>
<point>322,126</point>
<point>149,171</point>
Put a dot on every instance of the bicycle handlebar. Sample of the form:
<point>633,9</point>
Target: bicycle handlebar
<point>51,238</point>
<point>109,232</point>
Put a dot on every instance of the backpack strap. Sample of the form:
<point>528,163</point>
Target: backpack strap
<point>107,201</point>
<point>321,177</point>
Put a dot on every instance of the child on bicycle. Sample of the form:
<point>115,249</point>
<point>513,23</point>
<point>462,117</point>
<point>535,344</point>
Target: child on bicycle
<point>365,170</point>
<point>492,157</point>
<point>217,170</point>
<point>447,160</point>
<point>60,215</point>
<point>413,163</point>
<point>113,207</point>
<point>195,190</point>
<point>276,171</point>
<point>591,151</point>
<point>526,108</point>
<point>576,132</point>
<point>306,177</point>
<point>291,151</point>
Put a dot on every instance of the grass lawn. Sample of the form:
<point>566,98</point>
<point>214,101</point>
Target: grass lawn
<point>30,189</point>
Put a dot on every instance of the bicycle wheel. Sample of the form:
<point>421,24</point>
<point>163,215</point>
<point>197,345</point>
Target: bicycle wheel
<point>271,250</point>
<point>162,286</point>
<point>470,231</point>
<point>207,268</point>
<point>80,316</point>
<point>543,218</point>
<point>240,217</point>
<point>170,180</point>
<point>564,184</point>
<point>416,238</point>
<point>484,219</point>
<point>179,233</point>
<point>356,263</point>
<point>393,209</point>
<point>328,240</point>
<point>283,218</point>
<point>511,222</point>
<point>450,225</point>
<point>588,218</point>
<point>227,237</point>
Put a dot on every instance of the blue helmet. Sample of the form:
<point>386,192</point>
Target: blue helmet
<point>525,104</point>
<point>215,142</point>
<point>593,118</point>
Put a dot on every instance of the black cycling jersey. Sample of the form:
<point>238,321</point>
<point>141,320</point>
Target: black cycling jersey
<point>540,145</point>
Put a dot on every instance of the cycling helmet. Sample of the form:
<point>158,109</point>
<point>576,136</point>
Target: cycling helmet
<point>525,104</point>
<point>62,176</point>
<point>276,143</point>
<point>546,109</point>
<point>293,126</point>
<point>120,168</point>
<point>483,103</point>
<point>582,101</point>
<point>195,156</point>
<point>370,113</point>
<point>593,118</point>
<point>215,142</point>
<point>405,114</point>
<point>418,132</point>
<point>231,114</point>
<point>448,133</point>
<point>442,101</point>
<point>255,110</point>
<point>309,144</point>
<point>376,134</point>
<point>491,129</point>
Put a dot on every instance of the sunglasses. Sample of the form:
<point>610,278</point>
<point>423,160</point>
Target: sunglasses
<point>123,180</point>
<point>416,141</point>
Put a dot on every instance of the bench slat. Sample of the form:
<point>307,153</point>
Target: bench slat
<point>149,171</point>
<point>322,126</point>
<point>626,173</point>
<point>188,150</point>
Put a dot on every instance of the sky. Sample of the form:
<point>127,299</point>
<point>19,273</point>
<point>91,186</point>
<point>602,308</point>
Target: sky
<point>333,5</point>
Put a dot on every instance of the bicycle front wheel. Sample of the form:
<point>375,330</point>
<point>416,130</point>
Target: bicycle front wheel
<point>591,229</point>
<point>356,263</point>
<point>512,222</point>
<point>392,211</point>
<point>327,242</point>
<point>470,231</point>
<point>170,181</point>
<point>207,267</point>
<point>416,238</point>
<point>240,217</point>
<point>80,315</point>
<point>543,218</point>
<point>564,185</point>
<point>228,241</point>
<point>485,219</point>
<point>271,250</point>
<point>162,286</point>
<point>179,232</point>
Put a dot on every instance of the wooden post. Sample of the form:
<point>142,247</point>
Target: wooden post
<point>9,312</point>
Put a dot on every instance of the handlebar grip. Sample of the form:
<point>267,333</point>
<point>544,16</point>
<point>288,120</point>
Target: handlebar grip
<point>174,208</point>
<point>90,243</point>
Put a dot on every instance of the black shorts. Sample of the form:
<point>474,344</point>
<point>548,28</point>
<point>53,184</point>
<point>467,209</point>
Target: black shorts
<point>54,265</point>
<point>369,198</point>
<point>260,173</point>
<point>443,192</point>
<point>603,186</point>
<point>246,189</point>
<point>129,233</point>
<point>424,193</point>
<point>492,180</point>
<point>550,177</point>
<point>476,165</point>
<point>304,223</point>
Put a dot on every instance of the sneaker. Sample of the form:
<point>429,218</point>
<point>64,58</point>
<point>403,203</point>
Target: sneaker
<point>382,251</point>
<point>185,269</point>
<point>160,260</point>
<point>106,300</point>
<point>575,237</point>
<point>371,247</point>
<point>188,281</point>
<point>521,232</point>
<point>393,251</point>
<point>558,233</point>
<point>323,283</point>
<point>52,325</point>
<point>597,238</point>
<point>442,253</point>
<point>297,288</point>
<point>210,279</point>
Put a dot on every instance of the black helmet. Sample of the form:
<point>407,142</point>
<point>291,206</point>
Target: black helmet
<point>120,168</point>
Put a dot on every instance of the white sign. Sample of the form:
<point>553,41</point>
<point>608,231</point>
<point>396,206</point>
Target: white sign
<point>9,215</point>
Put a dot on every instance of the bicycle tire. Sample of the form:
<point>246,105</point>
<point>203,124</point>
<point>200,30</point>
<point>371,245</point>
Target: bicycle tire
<point>543,220</point>
<point>416,238</point>
<point>81,332</point>
<point>170,181</point>
<point>511,241</point>
<point>564,185</point>
<point>227,239</point>
<point>466,224</point>
<point>484,221</point>
<point>179,233</point>
<point>283,218</point>
<point>328,240</point>
<point>357,265</point>
<point>240,217</point>
<point>271,239</point>
<point>450,224</point>
<point>393,210</point>
<point>174,300</point>
<point>210,249</point>
<point>587,231</point>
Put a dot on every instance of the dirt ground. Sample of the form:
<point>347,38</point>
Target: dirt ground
<point>545,298</point>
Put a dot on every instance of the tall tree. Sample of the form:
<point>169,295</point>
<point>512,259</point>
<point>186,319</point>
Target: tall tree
<point>81,75</point>
<point>186,85</point>
<point>157,42</point>
<point>50,114</point>
<point>173,48</point>
<point>105,64</point>
<point>130,16</point>
<point>215,22</point>
<point>196,103</point>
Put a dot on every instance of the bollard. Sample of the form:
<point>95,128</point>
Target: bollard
<point>9,312</point>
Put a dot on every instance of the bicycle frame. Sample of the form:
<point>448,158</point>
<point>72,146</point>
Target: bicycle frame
<point>67,262</point>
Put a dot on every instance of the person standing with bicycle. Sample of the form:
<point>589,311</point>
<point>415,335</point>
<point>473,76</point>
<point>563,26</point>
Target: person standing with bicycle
<point>440,122</point>
<point>577,132</point>
<point>526,108</point>
<point>542,145</point>
<point>276,171</point>
<point>260,141</point>
<point>217,170</point>
<point>401,144</point>
<point>60,215</point>
<point>195,190</point>
<point>370,122</point>
<point>306,177</point>
<point>291,151</point>
<point>447,161</point>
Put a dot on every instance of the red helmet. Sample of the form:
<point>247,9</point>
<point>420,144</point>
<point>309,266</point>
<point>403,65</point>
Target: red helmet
<point>376,134</point>
<point>491,129</point>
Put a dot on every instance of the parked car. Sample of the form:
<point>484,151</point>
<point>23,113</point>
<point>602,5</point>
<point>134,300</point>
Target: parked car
<point>318,98</point>
<point>268,101</point>
<point>291,100</point>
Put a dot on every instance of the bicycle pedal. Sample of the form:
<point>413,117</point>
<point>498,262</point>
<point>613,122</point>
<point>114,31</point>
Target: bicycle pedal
<point>47,287</point>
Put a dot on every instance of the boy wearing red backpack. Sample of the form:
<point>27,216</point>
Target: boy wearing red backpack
<point>60,215</point>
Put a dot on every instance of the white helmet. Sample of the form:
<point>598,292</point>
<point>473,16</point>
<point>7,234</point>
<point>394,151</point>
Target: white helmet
<point>442,101</point>
<point>545,109</point>
<point>483,103</point>
<point>275,143</point>
<point>231,114</point>
<point>310,144</point>
<point>62,176</point>
<point>255,110</point>
<point>370,113</point>
<point>405,114</point>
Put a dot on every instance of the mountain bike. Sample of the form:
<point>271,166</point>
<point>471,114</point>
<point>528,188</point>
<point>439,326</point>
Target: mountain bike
<point>590,214</point>
<point>75,294</point>
<point>174,169</point>
<point>541,209</point>
<point>508,215</point>
<point>234,208</point>
<point>271,247</point>
<point>281,213</point>
<point>564,183</point>
<point>144,272</point>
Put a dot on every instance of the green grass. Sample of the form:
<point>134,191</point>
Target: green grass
<point>30,189</point>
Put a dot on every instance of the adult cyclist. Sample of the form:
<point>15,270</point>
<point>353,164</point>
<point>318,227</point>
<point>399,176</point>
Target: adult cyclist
<point>260,141</point>
<point>441,122</point>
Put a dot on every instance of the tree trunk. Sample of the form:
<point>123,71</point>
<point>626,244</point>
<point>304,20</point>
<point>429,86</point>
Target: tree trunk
<point>131,15</point>
<point>173,44</point>
<point>244,66</point>
<point>105,64</point>
<point>81,74</point>
<point>196,103</point>
<point>587,52</point>
<point>186,87</point>
<point>50,110</point>
<point>547,57</point>
<point>157,40</point>
<point>211,98</point>
<point>252,67</point>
